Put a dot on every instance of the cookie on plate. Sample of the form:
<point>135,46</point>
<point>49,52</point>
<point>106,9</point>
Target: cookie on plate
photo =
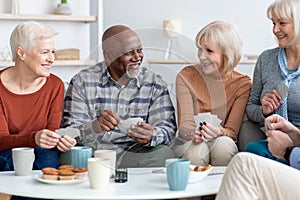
<point>80,172</point>
<point>50,173</point>
<point>66,175</point>
<point>66,167</point>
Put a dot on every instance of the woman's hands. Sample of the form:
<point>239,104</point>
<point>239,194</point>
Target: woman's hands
<point>270,102</point>
<point>49,139</point>
<point>206,132</point>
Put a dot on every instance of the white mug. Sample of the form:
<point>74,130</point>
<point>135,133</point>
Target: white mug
<point>23,158</point>
<point>98,172</point>
<point>108,154</point>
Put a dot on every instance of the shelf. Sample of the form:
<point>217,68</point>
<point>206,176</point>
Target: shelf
<point>70,18</point>
<point>180,61</point>
<point>58,63</point>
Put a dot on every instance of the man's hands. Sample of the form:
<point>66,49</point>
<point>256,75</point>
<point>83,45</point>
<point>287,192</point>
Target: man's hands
<point>278,141</point>
<point>108,120</point>
<point>142,132</point>
<point>284,134</point>
<point>49,139</point>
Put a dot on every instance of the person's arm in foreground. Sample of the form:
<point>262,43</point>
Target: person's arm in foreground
<point>250,176</point>
<point>283,137</point>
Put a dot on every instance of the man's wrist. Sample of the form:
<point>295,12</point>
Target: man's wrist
<point>288,152</point>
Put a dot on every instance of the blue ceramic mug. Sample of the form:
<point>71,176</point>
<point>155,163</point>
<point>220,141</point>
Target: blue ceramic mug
<point>178,172</point>
<point>80,155</point>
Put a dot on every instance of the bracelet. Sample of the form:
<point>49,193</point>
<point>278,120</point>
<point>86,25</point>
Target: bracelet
<point>288,152</point>
<point>268,114</point>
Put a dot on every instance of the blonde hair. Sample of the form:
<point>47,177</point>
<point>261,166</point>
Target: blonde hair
<point>227,38</point>
<point>25,35</point>
<point>288,10</point>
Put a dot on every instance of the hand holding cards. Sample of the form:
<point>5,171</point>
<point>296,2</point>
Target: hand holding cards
<point>269,126</point>
<point>124,125</point>
<point>283,90</point>
<point>207,117</point>
<point>71,132</point>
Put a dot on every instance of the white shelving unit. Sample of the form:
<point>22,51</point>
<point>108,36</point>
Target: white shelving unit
<point>58,63</point>
<point>65,69</point>
<point>68,18</point>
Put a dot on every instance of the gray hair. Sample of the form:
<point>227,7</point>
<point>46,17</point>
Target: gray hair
<point>288,10</point>
<point>25,35</point>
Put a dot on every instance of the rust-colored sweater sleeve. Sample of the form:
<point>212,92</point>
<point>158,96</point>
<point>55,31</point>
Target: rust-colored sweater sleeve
<point>21,116</point>
<point>225,97</point>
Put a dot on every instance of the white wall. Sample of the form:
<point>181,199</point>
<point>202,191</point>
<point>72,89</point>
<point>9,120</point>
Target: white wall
<point>146,16</point>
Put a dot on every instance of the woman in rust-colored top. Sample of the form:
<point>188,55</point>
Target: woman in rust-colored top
<point>31,98</point>
<point>212,86</point>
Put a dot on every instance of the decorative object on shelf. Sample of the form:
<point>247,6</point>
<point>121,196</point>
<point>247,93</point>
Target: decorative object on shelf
<point>251,56</point>
<point>67,54</point>
<point>64,8</point>
<point>172,29</point>
<point>15,6</point>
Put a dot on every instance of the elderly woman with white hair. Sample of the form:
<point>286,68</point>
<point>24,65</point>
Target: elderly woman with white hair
<point>212,86</point>
<point>276,76</point>
<point>31,99</point>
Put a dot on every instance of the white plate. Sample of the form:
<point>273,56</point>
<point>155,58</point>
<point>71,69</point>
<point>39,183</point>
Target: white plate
<point>39,177</point>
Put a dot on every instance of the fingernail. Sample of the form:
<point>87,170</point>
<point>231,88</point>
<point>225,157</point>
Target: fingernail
<point>204,123</point>
<point>200,123</point>
<point>200,128</point>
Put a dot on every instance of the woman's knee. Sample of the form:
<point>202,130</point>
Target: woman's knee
<point>198,154</point>
<point>223,150</point>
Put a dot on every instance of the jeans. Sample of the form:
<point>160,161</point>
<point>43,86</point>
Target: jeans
<point>43,158</point>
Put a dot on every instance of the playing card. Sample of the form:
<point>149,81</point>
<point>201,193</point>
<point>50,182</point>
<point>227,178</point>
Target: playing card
<point>269,125</point>
<point>125,124</point>
<point>207,117</point>
<point>215,121</point>
<point>201,117</point>
<point>283,91</point>
<point>71,132</point>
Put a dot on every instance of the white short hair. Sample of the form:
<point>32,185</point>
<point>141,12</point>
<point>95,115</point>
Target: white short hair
<point>25,35</point>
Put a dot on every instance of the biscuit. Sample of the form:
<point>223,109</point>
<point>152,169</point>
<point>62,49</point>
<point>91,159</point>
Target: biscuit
<point>201,169</point>
<point>66,174</point>
<point>80,173</point>
<point>207,167</point>
<point>50,173</point>
<point>198,168</point>
<point>66,167</point>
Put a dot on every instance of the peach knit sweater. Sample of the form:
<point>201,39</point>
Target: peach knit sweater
<point>225,95</point>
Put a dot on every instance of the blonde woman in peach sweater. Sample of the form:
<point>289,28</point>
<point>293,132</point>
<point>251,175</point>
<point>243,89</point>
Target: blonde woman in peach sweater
<point>212,86</point>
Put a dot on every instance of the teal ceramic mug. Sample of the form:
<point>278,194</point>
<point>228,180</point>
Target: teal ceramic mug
<point>80,155</point>
<point>178,172</point>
